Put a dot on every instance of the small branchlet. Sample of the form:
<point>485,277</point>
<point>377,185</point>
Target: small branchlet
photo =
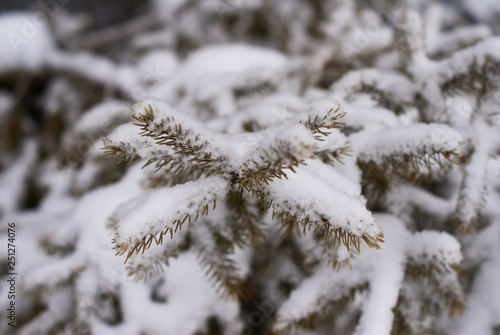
<point>183,141</point>
<point>147,266</point>
<point>269,164</point>
<point>337,155</point>
<point>145,243</point>
<point>318,223</point>
<point>414,168</point>
<point>121,152</point>
<point>325,308</point>
<point>179,146</point>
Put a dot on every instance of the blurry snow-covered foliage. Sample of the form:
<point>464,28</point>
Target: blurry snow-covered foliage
<point>320,167</point>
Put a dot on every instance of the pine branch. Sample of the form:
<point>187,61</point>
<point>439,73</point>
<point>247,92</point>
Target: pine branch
<point>342,218</point>
<point>442,43</point>
<point>333,148</point>
<point>475,68</point>
<point>124,145</point>
<point>337,212</point>
<point>473,189</point>
<point>405,152</point>
<point>409,39</point>
<point>214,253</point>
<point>147,220</point>
<point>56,276</point>
<point>149,265</point>
<point>337,258</point>
<point>336,155</point>
<point>160,124</point>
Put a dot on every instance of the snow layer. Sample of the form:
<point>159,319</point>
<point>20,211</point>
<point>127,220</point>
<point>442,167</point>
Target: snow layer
<point>309,196</point>
<point>418,140</point>
<point>26,41</point>
<point>162,208</point>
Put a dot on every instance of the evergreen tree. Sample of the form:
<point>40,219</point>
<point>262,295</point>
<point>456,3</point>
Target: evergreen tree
<point>318,167</point>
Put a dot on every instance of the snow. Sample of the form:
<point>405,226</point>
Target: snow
<point>485,10</point>
<point>229,67</point>
<point>460,109</point>
<point>418,140</point>
<point>306,298</point>
<point>13,178</point>
<point>369,117</point>
<point>385,279</point>
<point>97,68</point>
<point>234,149</point>
<point>382,269</point>
<point>6,103</point>
<point>471,196</point>
<point>190,302</point>
<point>406,197</point>
<point>321,106</point>
<point>339,19</point>
<point>483,308</point>
<point>166,8</point>
<point>307,195</point>
<point>26,42</point>
<point>150,215</point>
<point>398,86</point>
<point>438,42</point>
<point>58,309</point>
<point>242,83</point>
<point>265,111</point>
<point>334,178</point>
<point>102,114</point>
<point>231,59</point>
<point>296,140</point>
